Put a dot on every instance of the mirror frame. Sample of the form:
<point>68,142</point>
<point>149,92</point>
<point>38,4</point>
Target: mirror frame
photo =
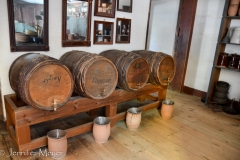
<point>129,35</point>
<point>102,14</point>
<point>72,43</point>
<point>130,9</point>
<point>13,46</point>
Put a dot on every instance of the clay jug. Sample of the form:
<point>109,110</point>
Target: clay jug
<point>167,109</point>
<point>233,8</point>
<point>101,129</point>
<point>57,143</point>
<point>133,118</point>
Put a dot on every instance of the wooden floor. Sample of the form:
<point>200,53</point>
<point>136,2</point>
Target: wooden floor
<point>194,132</point>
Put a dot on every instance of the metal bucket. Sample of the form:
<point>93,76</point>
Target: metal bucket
<point>57,143</point>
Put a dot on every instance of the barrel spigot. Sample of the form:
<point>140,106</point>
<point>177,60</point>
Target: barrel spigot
<point>138,86</point>
<point>103,92</point>
<point>168,81</point>
<point>55,104</point>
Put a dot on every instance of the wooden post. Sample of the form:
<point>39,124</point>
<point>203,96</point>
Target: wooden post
<point>111,111</point>
<point>183,39</point>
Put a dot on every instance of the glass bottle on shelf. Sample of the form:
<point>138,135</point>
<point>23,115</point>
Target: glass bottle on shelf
<point>124,30</point>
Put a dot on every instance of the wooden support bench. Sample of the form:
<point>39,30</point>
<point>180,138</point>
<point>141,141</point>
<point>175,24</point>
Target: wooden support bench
<point>20,116</point>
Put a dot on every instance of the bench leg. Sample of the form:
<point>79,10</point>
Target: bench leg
<point>111,111</point>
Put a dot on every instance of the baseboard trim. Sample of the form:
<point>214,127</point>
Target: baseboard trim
<point>194,92</point>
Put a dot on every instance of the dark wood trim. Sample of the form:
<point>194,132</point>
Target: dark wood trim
<point>183,39</point>
<point>194,92</point>
<point>149,14</point>
<point>125,10</point>
<point>72,43</point>
<point>102,14</point>
<point>16,48</point>
<point>96,22</point>
<point>129,29</point>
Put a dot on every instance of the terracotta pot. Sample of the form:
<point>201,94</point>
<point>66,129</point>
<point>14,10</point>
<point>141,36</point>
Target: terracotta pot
<point>133,118</point>
<point>233,9</point>
<point>234,2</point>
<point>167,109</point>
<point>57,143</point>
<point>101,129</point>
<point>223,59</point>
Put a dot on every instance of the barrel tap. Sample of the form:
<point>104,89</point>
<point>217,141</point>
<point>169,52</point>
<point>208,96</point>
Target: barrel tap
<point>103,92</point>
<point>55,104</point>
<point>138,86</point>
<point>168,81</point>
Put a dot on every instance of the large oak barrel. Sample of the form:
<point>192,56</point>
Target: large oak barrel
<point>41,81</point>
<point>133,71</point>
<point>95,76</point>
<point>162,66</point>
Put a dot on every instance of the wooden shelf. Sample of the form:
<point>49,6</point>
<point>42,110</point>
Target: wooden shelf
<point>228,43</point>
<point>220,48</point>
<point>20,117</point>
<point>99,27</point>
<point>229,69</point>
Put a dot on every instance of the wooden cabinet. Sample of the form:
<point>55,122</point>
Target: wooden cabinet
<point>123,30</point>
<point>220,48</point>
<point>103,32</point>
<point>105,8</point>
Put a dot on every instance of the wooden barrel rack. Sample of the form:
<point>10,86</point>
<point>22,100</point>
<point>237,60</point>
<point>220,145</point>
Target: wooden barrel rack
<point>21,117</point>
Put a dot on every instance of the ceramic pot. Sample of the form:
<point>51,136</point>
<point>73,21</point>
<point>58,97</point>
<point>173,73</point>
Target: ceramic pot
<point>101,129</point>
<point>221,101</point>
<point>167,109</point>
<point>133,118</point>
<point>222,86</point>
<point>235,36</point>
<point>234,1</point>
<point>57,143</point>
<point>220,94</point>
<point>233,8</point>
<point>223,59</point>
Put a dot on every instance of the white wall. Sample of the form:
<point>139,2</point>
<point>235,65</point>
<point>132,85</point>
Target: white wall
<point>139,18</point>
<point>162,25</point>
<point>202,51</point>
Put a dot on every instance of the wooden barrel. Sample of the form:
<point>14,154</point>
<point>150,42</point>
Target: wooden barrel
<point>133,71</point>
<point>41,81</point>
<point>162,66</point>
<point>95,76</point>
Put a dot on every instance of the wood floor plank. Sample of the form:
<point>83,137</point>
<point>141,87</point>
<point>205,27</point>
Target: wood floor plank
<point>96,148</point>
<point>156,144</point>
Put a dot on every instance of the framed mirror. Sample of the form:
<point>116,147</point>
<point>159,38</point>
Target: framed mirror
<point>123,30</point>
<point>105,8</point>
<point>124,5</point>
<point>28,25</point>
<point>76,22</point>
